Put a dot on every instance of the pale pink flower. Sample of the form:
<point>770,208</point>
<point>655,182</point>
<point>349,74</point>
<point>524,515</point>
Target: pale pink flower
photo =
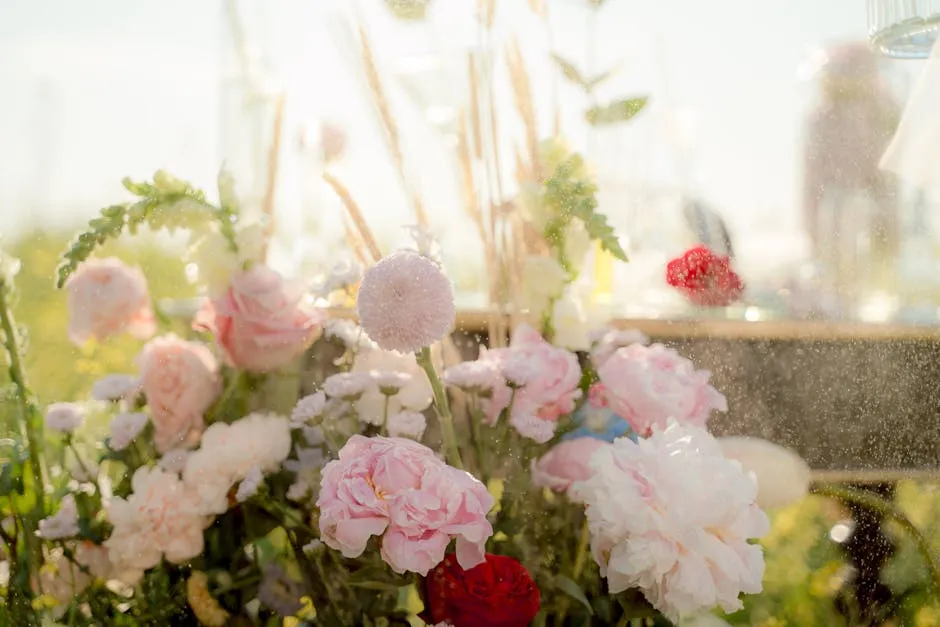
<point>648,385</point>
<point>606,341</point>
<point>249,485</point>
<point>106,297</point>
<point>389,382</point>
<point>114,387</point>
<point>566,463</point>
<point>405,303</point>
<point>475,376</point>
<point>160,519</point>
<point>181,381</point>
<point>125,427</point>
<point>399,489</point>
<point>347,385</point>
<point>64,417</point>
<point>407,424</point>
<point>531,426</point>
<point>60,579</point>
<point>308,408</point>
<point>260,323</point>
<point>414,391</point>
<point>672,516</point>
<point>63,524</point>
<point>229,452</point>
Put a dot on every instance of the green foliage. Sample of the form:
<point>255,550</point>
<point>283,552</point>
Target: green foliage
<point>616,111</point>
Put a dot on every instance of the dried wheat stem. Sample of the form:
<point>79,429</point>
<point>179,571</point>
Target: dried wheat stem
<point>267,205</point>
<point>355,244</point>
<point>355,215</point>
<point>522,93</point>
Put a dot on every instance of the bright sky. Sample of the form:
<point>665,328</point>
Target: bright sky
<point>99,89</point>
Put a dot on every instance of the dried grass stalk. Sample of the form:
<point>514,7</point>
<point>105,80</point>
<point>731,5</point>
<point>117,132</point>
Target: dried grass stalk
<point>486,12</point>
<point>355,244</point>
<point>522,95</point>
<point>355,215</point>
<point>388,123</point>
<point>475,125</point>
<point>274,152</point>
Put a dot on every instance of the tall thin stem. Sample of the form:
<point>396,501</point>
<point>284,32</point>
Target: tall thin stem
<point>30,426</point>
<point>451,450</point>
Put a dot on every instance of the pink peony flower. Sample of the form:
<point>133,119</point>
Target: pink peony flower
<point>161,518</point>
<point>259,323</point>
<point>672,516</point>
<point>566,463</point>
<point>405,303</point>
<point>181,382</point>
<point>648,385</point>
<point>107,297</point>
<point>399,489</point>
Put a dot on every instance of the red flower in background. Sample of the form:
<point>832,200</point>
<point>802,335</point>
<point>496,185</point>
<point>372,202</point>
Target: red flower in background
<point>497,593</point>
<point>705,278</point>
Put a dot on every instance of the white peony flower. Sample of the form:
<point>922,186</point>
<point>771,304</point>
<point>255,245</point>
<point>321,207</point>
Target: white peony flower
<point>347,385</point>
<point>64,417</point>
<point>125,428</point>
<point>543,280</point>
<point>63,524</point>
<point>414,395</point>
<point>407,424</point>
<point>249,485</point>
<point>228,452</point>
<point>672,516</point>
<point>308,408</point>
<point>161,518</point>
<point>405,303</point>
<point>571,324</point>
<point>783,477</point>
<point>114,387</point>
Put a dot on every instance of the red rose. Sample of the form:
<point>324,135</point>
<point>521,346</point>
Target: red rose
<point>497,593</point>
<point>705,278</point>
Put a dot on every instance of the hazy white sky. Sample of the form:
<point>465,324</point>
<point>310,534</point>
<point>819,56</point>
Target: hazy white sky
<point>99,89</point>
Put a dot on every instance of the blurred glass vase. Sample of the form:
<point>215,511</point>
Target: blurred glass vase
<point>903,29</point>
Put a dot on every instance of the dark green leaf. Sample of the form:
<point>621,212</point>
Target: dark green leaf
<point>635,605</point>
<point>570,72</point>
<point>614,112</point>
<point>573,590</point>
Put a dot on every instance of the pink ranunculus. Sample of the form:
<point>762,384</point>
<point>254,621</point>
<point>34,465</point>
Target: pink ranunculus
<point>260,323</point>
<point>181,381</point>
<point>648,385</point>
<point>107,297</point>
<point>566,463</point>
<point>400,489</point>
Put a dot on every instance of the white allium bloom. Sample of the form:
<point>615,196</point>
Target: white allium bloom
<point>425,243</point>
<point>228,452</point>
<point>405,303</point>
<point>390,382</point>
<point>783,477</point>
<point>475,376</point>
<point>414,395</point>
<point>174,460</point>
<point>543,280</point>
<point>308,408</point>
<point>249,485</point>
<point>64,417</point>
<point>407,424</point>
<point>63,524</point>
<point>114,387</point>
<point>125,427</point>
<point>347,385</point>
<point>672,516</point>
<point>606,341</point>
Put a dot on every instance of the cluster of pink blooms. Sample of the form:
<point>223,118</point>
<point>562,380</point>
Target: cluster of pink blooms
<point>400,490</point>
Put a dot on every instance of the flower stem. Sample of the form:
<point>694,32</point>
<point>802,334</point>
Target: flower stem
<point>885,508</point>
<point>385,415</point>
<point>451,448</point>
<point>31,426</point>
<point>581,554</point>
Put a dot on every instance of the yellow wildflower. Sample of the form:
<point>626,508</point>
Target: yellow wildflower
<point>207,610</point>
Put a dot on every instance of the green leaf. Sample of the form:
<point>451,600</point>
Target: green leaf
<point>616,111</point>
<point>573,590</point>
<point>375,585</point>
<point>635,605</point>
<point>571,72</point>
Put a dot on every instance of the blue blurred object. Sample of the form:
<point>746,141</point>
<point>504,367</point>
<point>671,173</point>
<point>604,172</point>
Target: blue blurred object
<point>600,423</point>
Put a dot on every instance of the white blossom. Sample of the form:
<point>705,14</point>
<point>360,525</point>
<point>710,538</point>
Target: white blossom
<point>125,427</point>
<point>64,417</point>
<point>63,524</point>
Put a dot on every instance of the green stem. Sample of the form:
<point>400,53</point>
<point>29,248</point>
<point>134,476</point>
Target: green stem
<point>451,448</point>
<point>581,556</point>
<point>30,418</point>
<point>476,415</point>
<point>385,415</point>
<point>878,504</point>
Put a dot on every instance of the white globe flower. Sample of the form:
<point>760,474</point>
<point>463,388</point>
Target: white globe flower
<point>783,477</point>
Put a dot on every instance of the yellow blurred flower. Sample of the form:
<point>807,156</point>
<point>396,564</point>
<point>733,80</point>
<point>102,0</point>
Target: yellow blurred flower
<point>207,610</point>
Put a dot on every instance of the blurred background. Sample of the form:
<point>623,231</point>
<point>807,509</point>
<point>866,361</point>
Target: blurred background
<point>762,133</point>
